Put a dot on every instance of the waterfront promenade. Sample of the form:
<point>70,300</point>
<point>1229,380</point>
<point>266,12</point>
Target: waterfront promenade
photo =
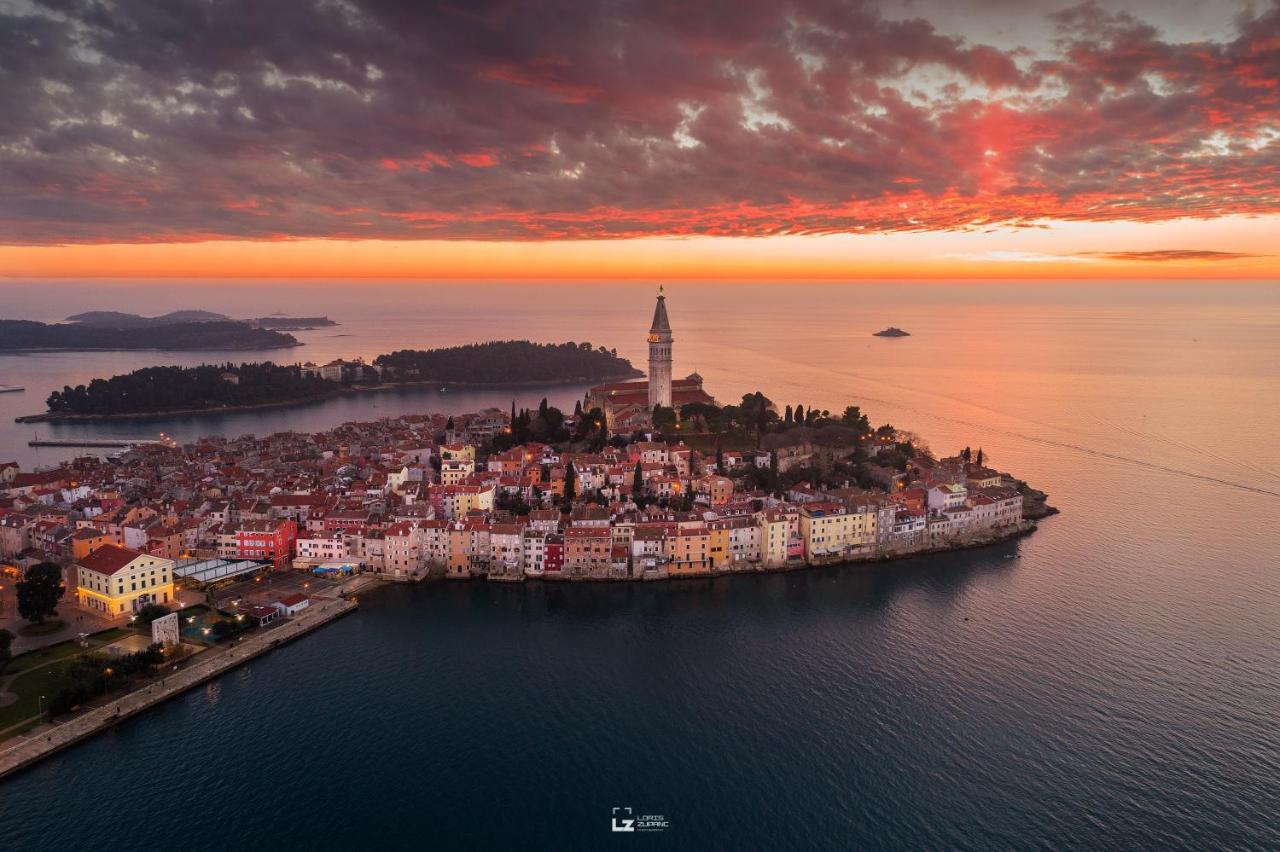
<point>48,739</point>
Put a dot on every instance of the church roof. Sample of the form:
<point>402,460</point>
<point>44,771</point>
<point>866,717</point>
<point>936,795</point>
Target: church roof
<point>660,322</point>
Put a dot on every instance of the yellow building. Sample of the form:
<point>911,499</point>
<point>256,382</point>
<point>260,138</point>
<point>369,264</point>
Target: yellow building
<point>718,535</point>
<point>832,530</point>
<point>775,534</point>
<point>116,581</point>
<point>458,452</point>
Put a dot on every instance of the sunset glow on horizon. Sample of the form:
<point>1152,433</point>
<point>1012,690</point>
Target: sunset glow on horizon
<point>809,139</point>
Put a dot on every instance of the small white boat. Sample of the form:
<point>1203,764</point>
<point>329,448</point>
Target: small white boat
<point>11,388</point>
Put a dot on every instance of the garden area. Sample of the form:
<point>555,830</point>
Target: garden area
<point>43,672</point>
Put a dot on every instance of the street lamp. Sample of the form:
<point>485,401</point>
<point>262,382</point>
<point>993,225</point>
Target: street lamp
<point>41,706</point>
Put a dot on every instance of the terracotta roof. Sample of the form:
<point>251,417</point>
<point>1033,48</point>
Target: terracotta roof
<point>108,559</point>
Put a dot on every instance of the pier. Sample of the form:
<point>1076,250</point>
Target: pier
<point>116,443</point>
<point>49,739</point>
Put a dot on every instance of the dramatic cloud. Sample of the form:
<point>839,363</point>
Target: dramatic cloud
<point>175,120</point>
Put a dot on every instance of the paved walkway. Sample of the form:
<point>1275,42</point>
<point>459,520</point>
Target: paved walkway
<point>23,751</point>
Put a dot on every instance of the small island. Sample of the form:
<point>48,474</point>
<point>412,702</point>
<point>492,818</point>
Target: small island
<point>165,391</point>
<point>185,336</point>
<point>891,331</point>
<point>507,362</point>
<point>279,323</point>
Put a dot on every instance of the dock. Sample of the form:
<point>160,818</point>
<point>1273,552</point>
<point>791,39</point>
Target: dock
<point>116,443</point>
<point>50,739</point>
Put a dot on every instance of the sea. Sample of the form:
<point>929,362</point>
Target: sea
<point>1110,682</point>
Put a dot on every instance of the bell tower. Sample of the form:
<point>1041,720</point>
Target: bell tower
<point>660,356</point>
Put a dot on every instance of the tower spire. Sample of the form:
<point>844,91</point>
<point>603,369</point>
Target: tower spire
<point>660,355</point>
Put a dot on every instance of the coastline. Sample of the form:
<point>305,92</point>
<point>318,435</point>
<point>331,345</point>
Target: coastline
<point>55,418</point>
<point>41,349</point>
<point>1024,528</point>
<point>45,741</point>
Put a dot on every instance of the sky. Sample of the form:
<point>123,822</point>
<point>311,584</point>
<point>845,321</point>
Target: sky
<point>615,139</point>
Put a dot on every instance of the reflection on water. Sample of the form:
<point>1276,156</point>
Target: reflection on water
<point>1114,686</point>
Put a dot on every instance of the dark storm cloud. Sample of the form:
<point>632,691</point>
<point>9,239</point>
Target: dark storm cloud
<point>147,120</point>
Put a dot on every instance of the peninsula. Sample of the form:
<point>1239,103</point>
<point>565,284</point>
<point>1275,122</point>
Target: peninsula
<point>158,391</point>
<point>891,331</point>
<point>254,540</point>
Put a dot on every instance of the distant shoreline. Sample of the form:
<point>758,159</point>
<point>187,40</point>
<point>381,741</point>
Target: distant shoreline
<point>30,349</point>
<point>56,418</point>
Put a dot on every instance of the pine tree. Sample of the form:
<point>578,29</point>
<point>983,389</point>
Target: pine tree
<point>980,456</point>
<point>637,482</point>
<point>786,418</point>
<point>799,415</point>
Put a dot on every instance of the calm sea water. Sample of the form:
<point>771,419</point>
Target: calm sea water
<point>1115,685</point>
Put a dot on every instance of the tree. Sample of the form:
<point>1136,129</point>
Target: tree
<point>637,481</point>
<point>663,417</point>
<point>570,483</point>
<point>786,418</point>
<point>855,419</point>
<point>719,459</point>
<point>800,414</point>
<point>39,592</point>
<point>980,456</point>
<point>449,425</point>
<point>6,640</point>
<point>150,613</point>
<point>966,454</point>
<point>577,408</point>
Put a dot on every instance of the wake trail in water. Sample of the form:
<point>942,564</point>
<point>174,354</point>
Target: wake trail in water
<point>1049,442</point>
<point>1190,448</point>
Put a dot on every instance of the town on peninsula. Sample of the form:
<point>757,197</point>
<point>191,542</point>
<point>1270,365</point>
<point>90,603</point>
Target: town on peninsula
<point>236,543</point>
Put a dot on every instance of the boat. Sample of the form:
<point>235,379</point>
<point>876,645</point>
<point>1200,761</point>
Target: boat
<point>891,331</point>
<point>11,388</point>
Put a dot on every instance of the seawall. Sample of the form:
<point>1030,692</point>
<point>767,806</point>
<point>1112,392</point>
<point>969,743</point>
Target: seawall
<point>45,741</point>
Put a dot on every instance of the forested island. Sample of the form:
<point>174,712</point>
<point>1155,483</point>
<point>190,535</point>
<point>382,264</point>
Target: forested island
<point>505,362</point>
<point>117,319</point>
<point>19,335</point>
<point>155,390</point>
<point>180,390</point>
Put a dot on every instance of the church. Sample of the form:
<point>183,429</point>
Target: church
<point>628,406</point>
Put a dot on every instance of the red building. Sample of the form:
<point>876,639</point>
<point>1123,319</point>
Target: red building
<point>553,561</point>
<point>272,540</point>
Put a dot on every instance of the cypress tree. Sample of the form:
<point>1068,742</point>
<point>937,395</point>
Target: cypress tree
<point>570,483</point>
